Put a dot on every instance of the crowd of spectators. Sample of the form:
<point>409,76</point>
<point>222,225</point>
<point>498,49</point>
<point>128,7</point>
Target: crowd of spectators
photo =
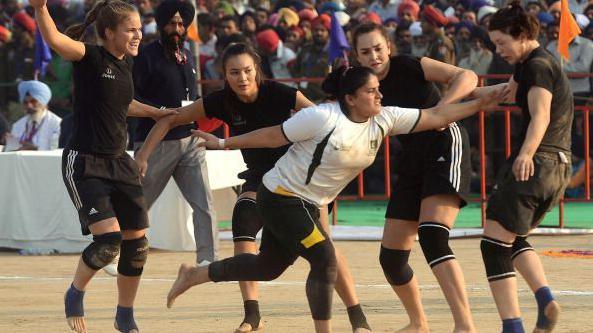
<point>292,37</point>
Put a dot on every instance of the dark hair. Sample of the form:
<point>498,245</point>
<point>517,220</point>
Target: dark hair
<point>229,18</point>
<point>206,20</point>
<point>105,14</point>
<point>365,28</point>
<point>345,81</point>
<point>236,49</point>
<point>514,21</point>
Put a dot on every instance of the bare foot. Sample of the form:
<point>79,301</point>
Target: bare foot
<point>246,327</point>
<point>77,324</point>
<point>187,277</point>
<point>552,312</point>
<point>410,328</point>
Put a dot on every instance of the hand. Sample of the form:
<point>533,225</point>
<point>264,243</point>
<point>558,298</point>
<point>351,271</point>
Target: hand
<point>142,165</point>
<point>210,141</point>
<point>37,3</point>
<point>493,97</point>
<point>523,167</point>
<point>160,113</point>
<point>26,145</point>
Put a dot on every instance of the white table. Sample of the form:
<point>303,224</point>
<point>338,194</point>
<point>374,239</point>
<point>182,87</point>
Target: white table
<point>36,211</point>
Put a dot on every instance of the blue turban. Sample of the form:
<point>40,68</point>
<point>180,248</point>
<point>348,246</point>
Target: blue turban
<point>329,7</point>
<point>545,17</point>
<point>36,89</point>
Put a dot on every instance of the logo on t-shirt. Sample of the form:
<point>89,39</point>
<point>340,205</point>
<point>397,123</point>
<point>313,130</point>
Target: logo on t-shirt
<point>108,74</point>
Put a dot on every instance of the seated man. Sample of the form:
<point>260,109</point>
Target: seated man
<point>39,129</point>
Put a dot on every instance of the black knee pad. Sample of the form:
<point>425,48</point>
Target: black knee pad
<point>434,240</point>
<point>246,220</point>
<point>497,259</point>
<point>322,278</point>
<point>134,253</point>
<point>102,250</point>
<point>520,245</point>
<point>395,266</point>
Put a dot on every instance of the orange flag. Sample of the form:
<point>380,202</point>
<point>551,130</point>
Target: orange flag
<point>192,31</point>
<point>569,29</point>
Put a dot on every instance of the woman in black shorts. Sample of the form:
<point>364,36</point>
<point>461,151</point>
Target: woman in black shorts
<point>248,103</point>
<point>101,178</point>
<point>534,178</point>
<point>332,143</point>
<point>433,176</point>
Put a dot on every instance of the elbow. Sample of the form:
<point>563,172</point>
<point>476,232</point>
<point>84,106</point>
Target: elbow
<point>470,78</point>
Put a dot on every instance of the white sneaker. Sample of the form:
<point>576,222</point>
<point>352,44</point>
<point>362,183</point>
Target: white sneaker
<point>204,263</point>
<point>111,269</point>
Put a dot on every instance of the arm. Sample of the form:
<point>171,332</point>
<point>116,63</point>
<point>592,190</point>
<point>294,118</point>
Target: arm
<point>137,109</point>
<point>508,90</point>
<point>65,46</point>
<point>184,115</point>
<point>267,137</point>
<point>461,82</point>
<point>539,101</point>
<point>302,101</point>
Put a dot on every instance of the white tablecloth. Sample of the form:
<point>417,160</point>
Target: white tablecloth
<point>36,212</point>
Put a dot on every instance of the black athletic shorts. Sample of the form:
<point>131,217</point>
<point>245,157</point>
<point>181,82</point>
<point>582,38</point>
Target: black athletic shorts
<point>521,206</point>
<point>252,180</point>
<point>102,188</point>
<point>290,222</point>
<point>433,162</point>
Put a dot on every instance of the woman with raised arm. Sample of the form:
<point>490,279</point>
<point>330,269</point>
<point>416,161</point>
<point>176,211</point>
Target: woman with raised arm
<point>102,179</point>
<point>331,144</point>
<point>248,103</point>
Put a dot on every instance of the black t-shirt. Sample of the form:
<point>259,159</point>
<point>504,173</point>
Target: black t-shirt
<point>273,106</point>
<point>160,81</point>
<point>541,69</point>
<point>405,86</point>
<point>103,91</point>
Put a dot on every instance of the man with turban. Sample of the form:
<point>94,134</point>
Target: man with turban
<point>165,77</point>
<point>441,47</point>
<point>39,129</point>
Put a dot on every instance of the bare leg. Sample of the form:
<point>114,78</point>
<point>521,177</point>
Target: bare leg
<point>444,209</point>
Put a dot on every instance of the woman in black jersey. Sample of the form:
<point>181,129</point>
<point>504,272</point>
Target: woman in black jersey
<point>248,103</point>
<point>433,175</point>
<point>534,178</point>
<point>102,180</point>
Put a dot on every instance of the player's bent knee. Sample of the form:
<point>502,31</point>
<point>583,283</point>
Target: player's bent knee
<point>497,259</point>
<point>134,253</point>
<point>434,240</point>
<point>246,220</point>
<point>103,250</point>
<point>520,245</point>
<point>395,266</point>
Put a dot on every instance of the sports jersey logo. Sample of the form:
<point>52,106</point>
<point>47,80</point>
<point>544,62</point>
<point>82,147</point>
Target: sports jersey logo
<point>374,144</point>
<point>108,74</point>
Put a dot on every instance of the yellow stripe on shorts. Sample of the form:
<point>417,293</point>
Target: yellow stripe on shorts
<point>314,237</point>
<point>282,191</point>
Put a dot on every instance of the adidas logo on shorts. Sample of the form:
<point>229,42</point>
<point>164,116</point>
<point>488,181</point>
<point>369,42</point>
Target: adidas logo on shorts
<point>93,211</point>
<point>441,159</point>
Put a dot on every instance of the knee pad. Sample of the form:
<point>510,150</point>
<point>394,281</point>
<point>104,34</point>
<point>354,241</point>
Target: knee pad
<point>434,240</point>
<point>520,245</point>
<point>322,278</point>
<point>246,220</point>
<point>395,266</point>
<point>497,259</point>
<point>134,253</point>
<point>322,258</point>
<point>102,251</point>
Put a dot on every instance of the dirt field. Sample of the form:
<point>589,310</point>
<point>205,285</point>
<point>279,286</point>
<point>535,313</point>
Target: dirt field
<point>31,291</point>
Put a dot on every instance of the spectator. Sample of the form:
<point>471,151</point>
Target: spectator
<point>463,36</point>
<point>208,38</point>
<point>408,11</point>
<point>287,18</point>
<point>248,25</point>
<point>275,56</point>
<point>484,15</point>
<point>164,76</point>
<point>534,7</point>
<point>588,11</point>
<point>440,48</point>
<point>419,41</point>
<point>294,39</point>
<point>261,16</point>
<point>554,9</point>
<point>469,16</point>
<point>479,57</point>
<point>228,26</point>
<point>312,60</point>
<point>384,8</point>
<point>403,39</point>
<point>39,129</point>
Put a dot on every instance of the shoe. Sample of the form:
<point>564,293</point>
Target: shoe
<point>111,269</point>
<point>204,263</point>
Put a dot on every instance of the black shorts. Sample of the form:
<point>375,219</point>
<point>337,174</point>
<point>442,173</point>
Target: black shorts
<point>433,162</point>
<point>521,206</point>
<point>252,180</point>
<point>289,222</point>
<point>102,188</point>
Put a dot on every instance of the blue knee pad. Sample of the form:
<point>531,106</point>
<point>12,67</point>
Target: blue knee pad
<point>434,240</point>
<point>134,253</point>
<point>497,259</point>
<point>395,266</point>
<point>246,220</point>
<point>102,251</point>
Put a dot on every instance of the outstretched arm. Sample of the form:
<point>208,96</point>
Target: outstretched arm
<point>65,46</point>
<point>461,82</point>
<point>267,137</point>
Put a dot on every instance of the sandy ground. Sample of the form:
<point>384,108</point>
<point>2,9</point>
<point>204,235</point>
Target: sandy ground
<point>31,291</point>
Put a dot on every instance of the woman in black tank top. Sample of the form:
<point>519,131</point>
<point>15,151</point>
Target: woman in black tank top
<point>432,174</point>
<point>102,180</point>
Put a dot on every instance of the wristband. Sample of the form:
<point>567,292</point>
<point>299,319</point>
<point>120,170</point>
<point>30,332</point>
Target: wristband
<point>221,143</point>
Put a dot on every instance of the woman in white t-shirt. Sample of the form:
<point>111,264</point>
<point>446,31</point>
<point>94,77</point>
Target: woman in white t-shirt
<point>331,144</point>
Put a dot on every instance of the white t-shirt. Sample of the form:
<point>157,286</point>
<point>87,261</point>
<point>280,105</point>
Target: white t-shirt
<point>49,127</point>
<point>329,149</point>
